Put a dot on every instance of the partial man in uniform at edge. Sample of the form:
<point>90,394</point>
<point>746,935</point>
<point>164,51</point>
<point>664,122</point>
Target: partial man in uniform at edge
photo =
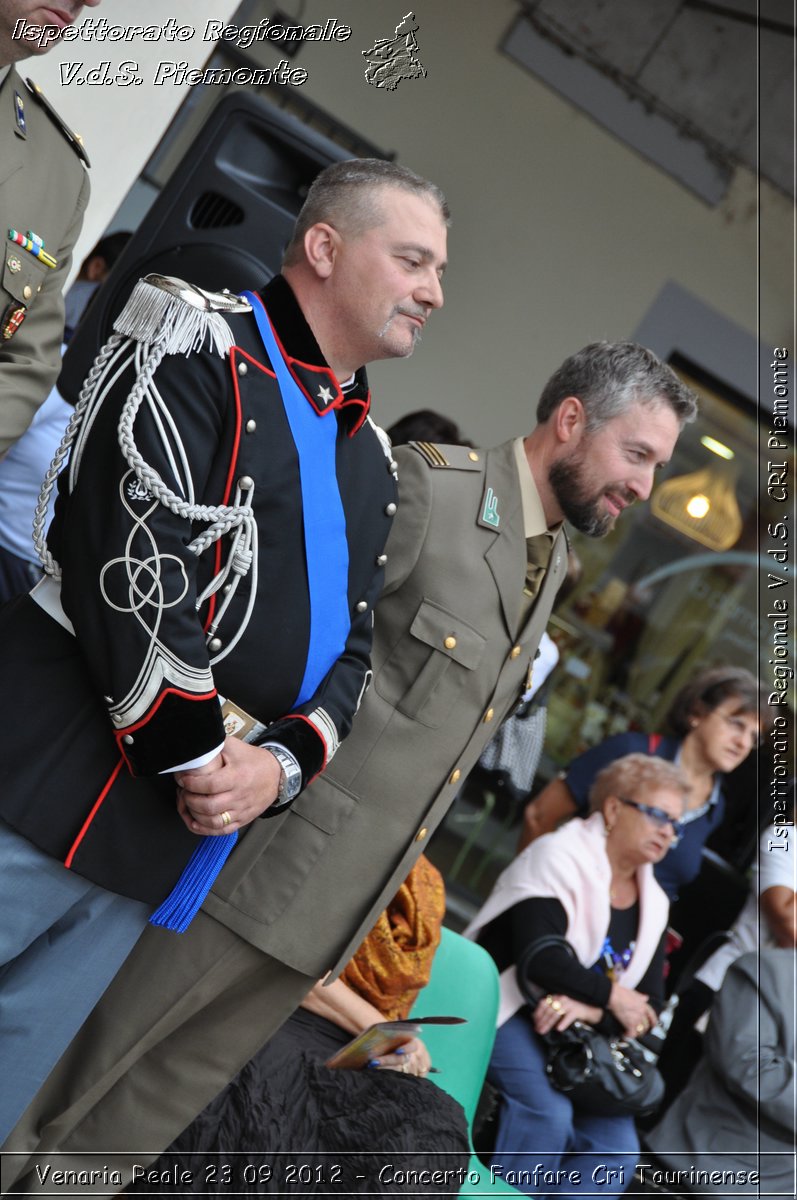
<point>474,562</point>
<point>24,466</point>
<point>219,533</point>
<point>44,191</point>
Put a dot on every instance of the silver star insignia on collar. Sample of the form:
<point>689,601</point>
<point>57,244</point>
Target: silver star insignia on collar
<point>325,395</point>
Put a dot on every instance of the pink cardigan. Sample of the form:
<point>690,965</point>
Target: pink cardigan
<point>571,866</point>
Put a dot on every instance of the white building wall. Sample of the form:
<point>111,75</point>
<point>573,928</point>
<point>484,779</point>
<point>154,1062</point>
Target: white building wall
<point>121,125</point>
<point>561,234</point>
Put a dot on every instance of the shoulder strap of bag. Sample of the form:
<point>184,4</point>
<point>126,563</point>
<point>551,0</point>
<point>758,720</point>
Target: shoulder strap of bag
<point>530,990</point>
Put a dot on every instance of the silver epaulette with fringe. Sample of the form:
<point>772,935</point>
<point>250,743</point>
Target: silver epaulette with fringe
<point>180,316</point>
<point>164,316</point>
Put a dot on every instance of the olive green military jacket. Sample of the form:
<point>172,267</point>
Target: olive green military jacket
<point>44,189</point>
<point>451,656</point>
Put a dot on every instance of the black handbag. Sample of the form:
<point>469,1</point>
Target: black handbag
<point>604,1075</point>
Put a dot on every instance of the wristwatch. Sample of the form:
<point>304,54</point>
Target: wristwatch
<point>290,779</point>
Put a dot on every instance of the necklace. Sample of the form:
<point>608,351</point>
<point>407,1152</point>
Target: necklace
<point>612,964</point>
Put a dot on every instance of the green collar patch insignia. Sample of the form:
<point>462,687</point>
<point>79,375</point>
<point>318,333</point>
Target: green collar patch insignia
<point>490,512</point>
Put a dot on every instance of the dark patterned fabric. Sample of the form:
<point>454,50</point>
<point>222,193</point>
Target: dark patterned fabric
<point>303,1129</point>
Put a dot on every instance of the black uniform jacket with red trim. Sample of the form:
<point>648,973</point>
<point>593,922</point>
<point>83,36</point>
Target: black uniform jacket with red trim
<point>93,718</point>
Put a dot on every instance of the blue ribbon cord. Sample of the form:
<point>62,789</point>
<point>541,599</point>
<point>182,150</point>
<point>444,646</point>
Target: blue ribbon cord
<point>327,559</point>
<point>187,896</point>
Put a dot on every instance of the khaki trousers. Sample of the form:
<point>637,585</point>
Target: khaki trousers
<point>185,1013</point>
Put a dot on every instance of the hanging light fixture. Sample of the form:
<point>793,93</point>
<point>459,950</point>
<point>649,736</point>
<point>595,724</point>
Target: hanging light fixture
<point>717,447</point>
<point>702,504</point>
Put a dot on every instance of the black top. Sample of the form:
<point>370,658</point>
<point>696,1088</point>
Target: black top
<point>508,937</point>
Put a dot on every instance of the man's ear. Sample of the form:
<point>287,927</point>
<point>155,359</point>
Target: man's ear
<point>321,244</point>
<point>569,419</point>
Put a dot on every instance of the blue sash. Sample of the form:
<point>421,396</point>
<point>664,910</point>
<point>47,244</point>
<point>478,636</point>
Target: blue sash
<point>327,559</point>
<point>326,547</point>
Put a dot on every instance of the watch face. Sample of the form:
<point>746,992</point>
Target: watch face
<point>291,782</point>
<point>290,778</point>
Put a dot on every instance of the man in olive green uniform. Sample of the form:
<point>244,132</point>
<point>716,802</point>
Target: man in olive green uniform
<point>474,561</point>
<point>44,190</point>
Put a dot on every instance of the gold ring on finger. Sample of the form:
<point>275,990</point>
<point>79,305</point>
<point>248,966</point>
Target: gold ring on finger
<point>226,819</point>
<point>556,1006</point>
<point>641,1027</point>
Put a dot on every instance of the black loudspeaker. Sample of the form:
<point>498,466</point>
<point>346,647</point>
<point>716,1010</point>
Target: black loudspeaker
<point>222,220</point>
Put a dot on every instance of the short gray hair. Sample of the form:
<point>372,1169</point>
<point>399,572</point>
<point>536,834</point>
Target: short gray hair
<point>610,377</point>
<point>346,194</point>
<point>636,772</point>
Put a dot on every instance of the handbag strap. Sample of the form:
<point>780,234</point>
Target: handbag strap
<point>532,991</point>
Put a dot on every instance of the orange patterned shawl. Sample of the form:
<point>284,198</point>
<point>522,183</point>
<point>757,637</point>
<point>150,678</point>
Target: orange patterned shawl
<point>395,960</point>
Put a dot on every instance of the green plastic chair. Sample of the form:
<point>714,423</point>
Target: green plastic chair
<point>464,983</point>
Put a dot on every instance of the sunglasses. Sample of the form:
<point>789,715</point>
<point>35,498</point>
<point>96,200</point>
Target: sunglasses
<point>658,816</point>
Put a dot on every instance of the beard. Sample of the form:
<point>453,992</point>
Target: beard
<point>577,498</point>
<point>404,349</point>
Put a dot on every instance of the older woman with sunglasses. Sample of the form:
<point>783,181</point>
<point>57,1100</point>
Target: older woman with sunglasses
<point>591,883</point>
<point>715,721</point>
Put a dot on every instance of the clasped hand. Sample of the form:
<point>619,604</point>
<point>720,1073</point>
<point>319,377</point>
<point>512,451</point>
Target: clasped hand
<point>559,1012</point>
<point>632,1009</point>
<point>230,791</point>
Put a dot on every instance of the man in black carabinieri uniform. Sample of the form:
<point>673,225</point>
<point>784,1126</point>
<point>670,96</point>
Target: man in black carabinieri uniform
<point>219,533</point>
